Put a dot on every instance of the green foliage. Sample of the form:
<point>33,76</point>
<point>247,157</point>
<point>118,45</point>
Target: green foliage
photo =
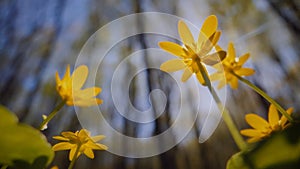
<point>237,162</point>
<point>22,144</point>
<point>38,163</point>
<point>280,151</point>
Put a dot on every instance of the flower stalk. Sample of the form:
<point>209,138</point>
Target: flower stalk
<point>225,113</point>
<point>51,115</point>
<point>265,95</point>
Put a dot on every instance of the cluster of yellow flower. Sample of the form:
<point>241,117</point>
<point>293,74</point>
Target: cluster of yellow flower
<point>69,88</point>
<point>193,55</point>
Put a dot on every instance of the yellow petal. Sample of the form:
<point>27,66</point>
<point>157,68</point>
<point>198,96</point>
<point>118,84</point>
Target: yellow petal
<point>185,34</point>
<point>83,133</point>
<point>57,79</point>
<point>219,66</point>
<point>251,133</point>
<point>215,37</point>
<point>99,101</point>
<point>68,134</point>
<point>200,78</point>
<point>70,102</point>
<point>273,116</point>
<point>88,102</point>
<point>95,146</point>
<point>222,83</point>
<point>97,90</point>
<point>243,59</point>
<point>79,76</point>
<point>102,146</point>
<point>88,93</point>
<point>172,48</point>
<point>186,74</point>
<point>217,76</point>
<point>231,52</point>
<point>206,47</point>
<point>67,74</point>
<point>72,153</point>
<point>98,138</point>
<point>209,27</point>
<point>189,52</point>
<point>89,153</point>
<point>92,145</point>
<point>254,139</point>
<point>283,119</point>
<point>233,82</point>
<point>214,58</point>
<point>172,65</point>
<point>245,71</point>
<point>256,122</point>
<point>218,48</point>
<point>60,138</point>
<point>62,146</point>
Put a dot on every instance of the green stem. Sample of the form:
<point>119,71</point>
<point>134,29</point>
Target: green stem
<point>225,113</point>
<point>75,157</point>
<point>265,95</point>
<point>4,166</point>
<point>52,114</point>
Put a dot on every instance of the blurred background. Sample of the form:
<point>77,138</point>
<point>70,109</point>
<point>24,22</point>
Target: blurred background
<point>39,38</point>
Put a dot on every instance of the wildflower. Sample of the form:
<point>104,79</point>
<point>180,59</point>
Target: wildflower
<point>193,52</point>
<point>69,88</point>
<point>262,128</point>
<point>229,66</point>
<point>79,142</point>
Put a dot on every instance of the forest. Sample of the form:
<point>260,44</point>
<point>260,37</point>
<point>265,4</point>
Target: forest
<point>167,84</point>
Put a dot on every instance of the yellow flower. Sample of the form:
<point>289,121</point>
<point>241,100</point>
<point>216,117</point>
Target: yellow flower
<point>193,51</point>
<point>69,88</point>
<point>262,128</point>
<point>231,64</point>
<point>80,139</point>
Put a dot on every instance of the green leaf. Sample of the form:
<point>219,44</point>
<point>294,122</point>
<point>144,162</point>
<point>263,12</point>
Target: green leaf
<point>7,118</point>
<point>21,142</point>
<point>237,161</point>
<point>39,163</point>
